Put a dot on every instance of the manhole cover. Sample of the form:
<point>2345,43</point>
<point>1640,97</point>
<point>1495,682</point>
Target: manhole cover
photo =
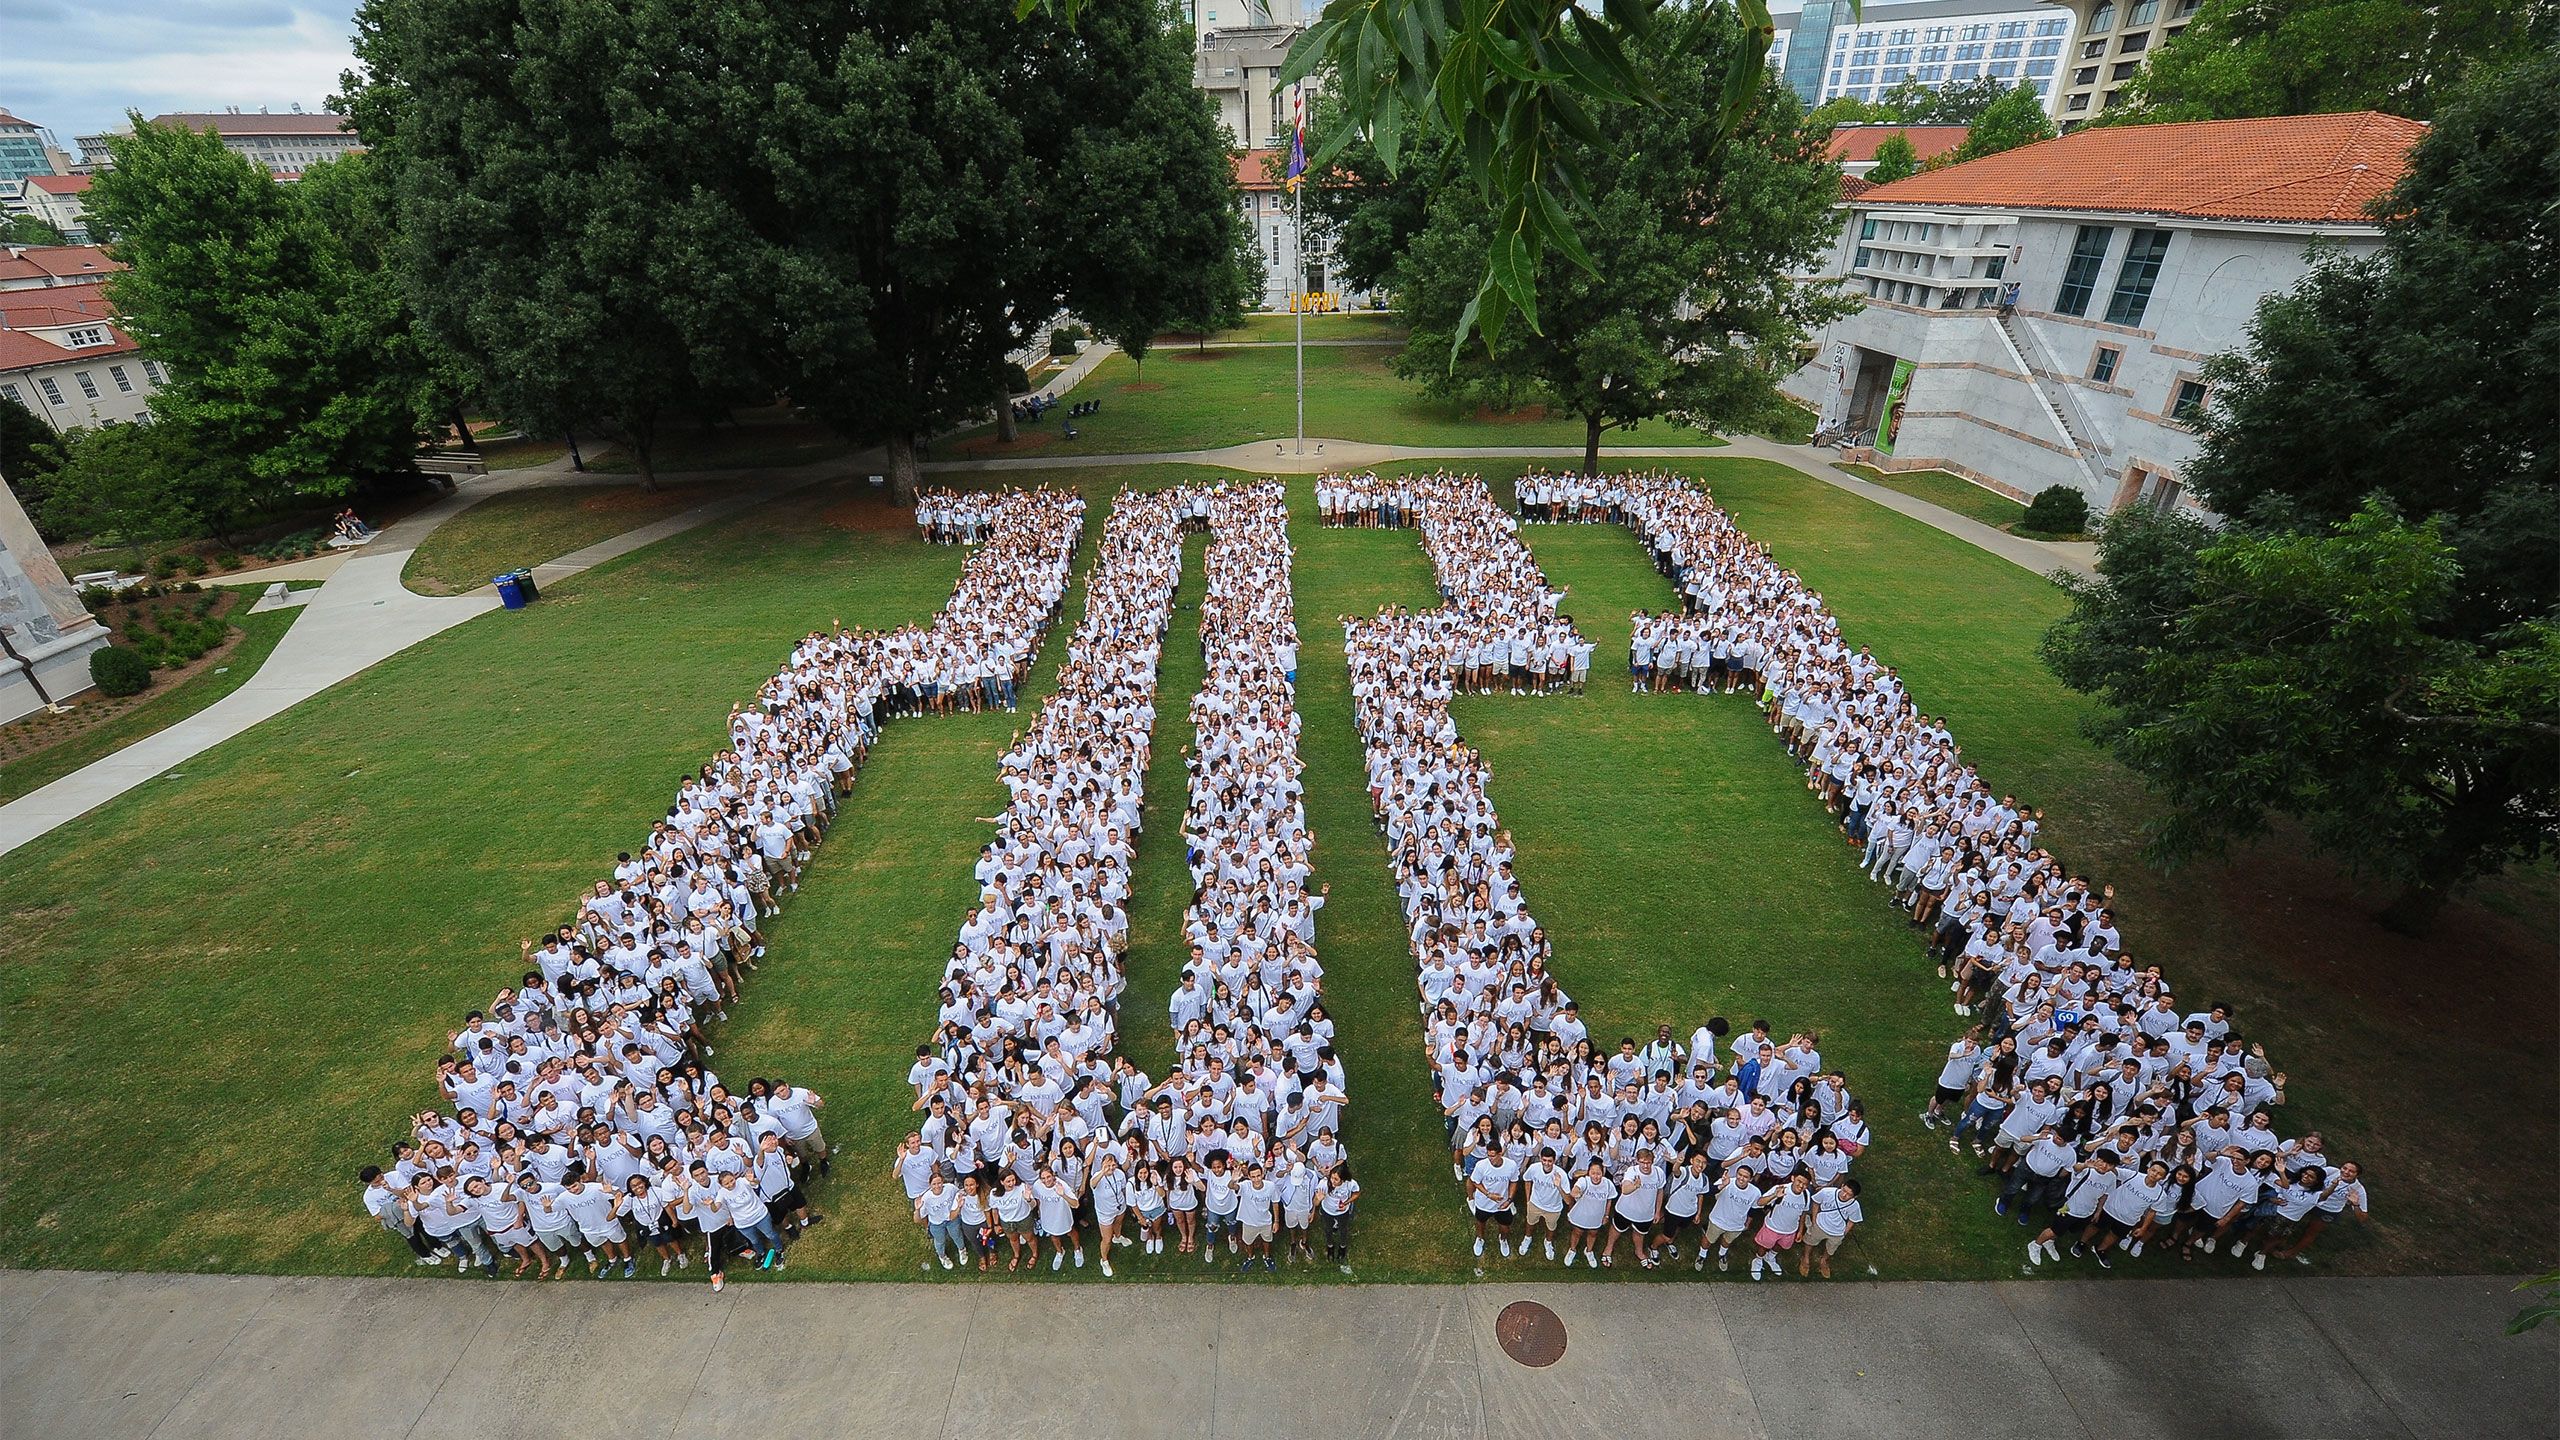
<point>1530,1333</point>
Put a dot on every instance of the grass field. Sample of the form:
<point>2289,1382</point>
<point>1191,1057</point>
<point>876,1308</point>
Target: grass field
<point>1383,326</point>
<point>526,527</point>
<point>1203,399</point>
<point>1947,492</point>
<point>256,962</point>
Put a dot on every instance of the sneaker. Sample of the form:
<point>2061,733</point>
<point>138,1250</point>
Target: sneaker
<point>684,1261</point>
<point>1106,1265</point>
<point>664,1266</point>
<point>2239,1249</point>
<point>1568,1258</point>
<point>1755,1270</point>
<point>2075,1252</point>
<point>1928,1120</point>
<point>2258,1261</point>
<point>945,1259</point>
<point>2209,1243</point>
<point>627,1269</point>
<point>2103,1262</point>
<point>1057,1261</point>
<point>1479,1244</point>
<point>1724,1260</point>
<point>430,1260</point>
<point>1551,1249</point>
<point>2301,1259</point>
<point>1700,1263</point>
<point>1506,1248</point>
<point>1270,1265</point>
<point>2134,1249</point>
<point>2035,1254</point>
<point>1079,1257</point>
<point>718,1282</point>
<point>2000,1206</point>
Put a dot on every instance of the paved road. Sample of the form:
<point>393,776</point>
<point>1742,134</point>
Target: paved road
<point>2249,1359</point>
<point>1318,454</point>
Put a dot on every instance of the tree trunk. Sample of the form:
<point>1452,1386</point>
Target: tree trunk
<point>902,468</point>
<point>643,447</point>
<point>2414,910</point>
<point>2449,859</point>
<point>1591,444</point>
<point>1006,431</point>
<point>462,431</point>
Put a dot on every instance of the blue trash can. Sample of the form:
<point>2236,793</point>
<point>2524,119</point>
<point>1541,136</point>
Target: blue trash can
<point>510,593</point>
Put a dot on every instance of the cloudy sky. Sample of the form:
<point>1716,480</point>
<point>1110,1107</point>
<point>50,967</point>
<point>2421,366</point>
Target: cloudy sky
<point>75,66</point>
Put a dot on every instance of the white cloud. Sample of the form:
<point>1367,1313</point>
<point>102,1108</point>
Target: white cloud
<point>77,68</point>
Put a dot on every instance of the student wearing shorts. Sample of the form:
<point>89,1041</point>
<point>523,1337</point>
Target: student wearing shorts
<point>1637,1209</point>
<point>1835,1213</point>
<point>1257,1217</point>
<point>1055,1200</point>
<point>1545,1186</point>
<point>1012,1207</point>
<point>1781,1227</point>
<point>1492,1190</point>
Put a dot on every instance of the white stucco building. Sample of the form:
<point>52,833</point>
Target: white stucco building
<point>2042,317</point>
<point>46,634</point>
<point>63,357</point>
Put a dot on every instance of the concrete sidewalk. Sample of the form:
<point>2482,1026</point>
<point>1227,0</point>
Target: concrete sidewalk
<point>173,1355</point>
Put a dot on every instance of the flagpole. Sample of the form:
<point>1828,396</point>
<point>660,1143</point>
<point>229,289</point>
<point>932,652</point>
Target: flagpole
<point>1297,223</point>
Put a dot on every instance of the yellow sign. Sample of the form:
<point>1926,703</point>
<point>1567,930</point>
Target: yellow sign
<point>1315,302</point>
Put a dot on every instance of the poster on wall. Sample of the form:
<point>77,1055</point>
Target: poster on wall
<point>1835,402</point>
<point>1892,426</point>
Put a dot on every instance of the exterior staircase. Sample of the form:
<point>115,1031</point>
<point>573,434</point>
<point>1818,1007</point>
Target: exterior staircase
<point>2063,411</point>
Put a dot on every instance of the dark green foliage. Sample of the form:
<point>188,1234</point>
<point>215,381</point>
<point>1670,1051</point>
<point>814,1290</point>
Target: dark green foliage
<point>1895,160</point>
<point>2014,119</point>
<point>2243,58</point>
<point>1690,312</point>
<point>2372,645</point>
<point>119,672</point>
<point>2057,510</point>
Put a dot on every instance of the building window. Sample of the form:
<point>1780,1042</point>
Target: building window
<point>124,382</point>
<point>2085,75</point>
<point>151,372</point>
<point>87,335</point>
<point>2080,277</point>
<point>2124,69</point>
<point>10,392</point>
<point>2188,407</point>
<point>51,391</point>
<point>2142,256</point>
<point>2142,13</point>
<point>2103,369</point>
<point>88,386</point>
<point>2134,44</point>
<point>2102,20</point>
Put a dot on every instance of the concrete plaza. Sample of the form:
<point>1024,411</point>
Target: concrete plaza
<point>2236,1359</point>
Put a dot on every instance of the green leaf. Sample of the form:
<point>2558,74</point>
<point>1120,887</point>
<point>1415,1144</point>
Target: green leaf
<point>1558,228</point>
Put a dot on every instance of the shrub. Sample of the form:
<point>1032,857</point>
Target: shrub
<point>96,597</point>
<point>119,672</point>
<point>1062,341</point>
<point>193,564</point>
<point>163,566</point>
<point>227,560</point>
<point>2056,510</point>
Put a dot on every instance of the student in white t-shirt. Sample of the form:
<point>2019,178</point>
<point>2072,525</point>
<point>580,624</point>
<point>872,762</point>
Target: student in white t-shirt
<point>1545,1187</point>
<point>1055,1199</point>
<point>1492,1195</point>
<point>1593,1195</point>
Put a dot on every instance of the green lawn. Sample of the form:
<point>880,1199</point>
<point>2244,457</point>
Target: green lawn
<point>1947,492</point>
<point>1197,400</point>
<point>337,920</point>
<point>258,636</point>
<point>1383,326</point>
<point>523,528</point>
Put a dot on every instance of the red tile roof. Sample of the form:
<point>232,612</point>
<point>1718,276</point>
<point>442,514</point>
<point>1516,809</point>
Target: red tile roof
<point>1853,186</point>
<point>61,262</point>
<point>2296,168</point>
<point>61,184</point>
<point>1263,169</point>
<point>1856,144</point>
<point>22,351</point>
<point>35,308</point>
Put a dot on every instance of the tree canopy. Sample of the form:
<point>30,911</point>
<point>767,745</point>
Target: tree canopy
<point>291,367</point>
<point>2014,119</point>
<point>2244,58</point>
<point>1895,160</point>
<point>930,181</point>
<point>1688,309</point>
<point>2368,644</point>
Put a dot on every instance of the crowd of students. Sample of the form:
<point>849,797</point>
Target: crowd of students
<point>2107,1109</point>
<point>1037,1134</point>
<point>585,1119</point>
<point>1553,1138</point>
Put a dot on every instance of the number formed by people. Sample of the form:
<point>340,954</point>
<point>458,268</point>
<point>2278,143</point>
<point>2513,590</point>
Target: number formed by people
<point>1038,1135</point>
<point>1652,1148</point>
<point>585,1120</point>
<point>2112,1115</point>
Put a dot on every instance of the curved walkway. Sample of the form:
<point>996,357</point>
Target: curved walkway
<point>166,1356</point>
<point>360,616</point>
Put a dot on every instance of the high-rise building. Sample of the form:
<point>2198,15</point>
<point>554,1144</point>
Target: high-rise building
<point>1823,53</point>
<point>2111,40</point>
<point>26,150</point>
